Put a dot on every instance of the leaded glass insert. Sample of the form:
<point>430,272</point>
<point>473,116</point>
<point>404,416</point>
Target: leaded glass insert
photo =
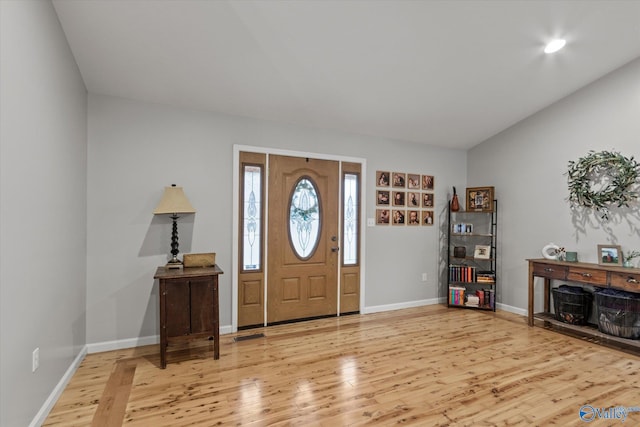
<point>252,209</point>
<point>350,219</point>
<point>304,218</point>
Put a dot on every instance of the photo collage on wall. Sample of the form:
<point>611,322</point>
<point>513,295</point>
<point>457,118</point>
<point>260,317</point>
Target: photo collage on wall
<point>404,199</point>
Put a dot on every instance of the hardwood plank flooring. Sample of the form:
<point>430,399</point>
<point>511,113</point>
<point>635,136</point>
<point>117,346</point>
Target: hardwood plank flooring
<point>427,366</point>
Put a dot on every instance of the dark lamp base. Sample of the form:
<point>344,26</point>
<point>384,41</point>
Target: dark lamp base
<point>174,263</point>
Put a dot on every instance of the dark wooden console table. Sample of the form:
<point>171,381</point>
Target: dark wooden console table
<point>603,276</point>
<point>188,306</point>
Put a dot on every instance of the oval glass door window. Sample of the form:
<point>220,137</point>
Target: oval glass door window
<point>304,218</point>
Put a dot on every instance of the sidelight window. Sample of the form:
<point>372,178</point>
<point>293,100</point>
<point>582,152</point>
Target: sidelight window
<point>251,218</point>
<point>350,219</point>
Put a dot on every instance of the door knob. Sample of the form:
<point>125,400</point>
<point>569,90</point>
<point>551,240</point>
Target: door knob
<point>335,249</point>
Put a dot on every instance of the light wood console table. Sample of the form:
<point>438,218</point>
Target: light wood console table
<point>604,276</point>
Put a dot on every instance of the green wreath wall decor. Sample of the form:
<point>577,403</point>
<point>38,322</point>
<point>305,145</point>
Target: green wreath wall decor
<point>614,173</point>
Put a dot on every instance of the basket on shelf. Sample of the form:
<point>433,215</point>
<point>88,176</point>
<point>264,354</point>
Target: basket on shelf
<point>618,313</point>
<point>572,304</point>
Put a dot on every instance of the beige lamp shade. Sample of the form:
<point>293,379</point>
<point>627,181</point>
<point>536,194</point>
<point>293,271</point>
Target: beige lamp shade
<point>174,202</point>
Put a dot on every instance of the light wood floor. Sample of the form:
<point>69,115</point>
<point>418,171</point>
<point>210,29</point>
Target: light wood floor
<point>427,366</point>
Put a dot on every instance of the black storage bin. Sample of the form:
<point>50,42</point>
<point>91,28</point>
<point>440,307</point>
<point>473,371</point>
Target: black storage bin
<point>618,313</point>
<point>572,304</point>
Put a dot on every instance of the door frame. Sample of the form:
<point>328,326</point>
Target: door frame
<point>236,220</point>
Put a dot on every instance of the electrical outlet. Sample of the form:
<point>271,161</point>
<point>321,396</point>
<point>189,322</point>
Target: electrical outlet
<point>35,359</point>
<point>424,277</point>
<point>371,222</point>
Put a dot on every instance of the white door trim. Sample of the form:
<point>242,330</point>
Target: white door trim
<point>236,211</point>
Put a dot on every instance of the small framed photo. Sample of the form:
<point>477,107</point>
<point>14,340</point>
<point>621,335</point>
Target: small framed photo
<point>382,216</point>
<point>461,228</point>
<point>610,255</point>
<point>382,178</point>
<point>413,199</point>
<point>414,218</point>
<point>413,181</point>
<point>480,199</point>
<point>399,180</point>
<point>398,198</point>
<point>427,200</point>
<point>398,217</point>
<point>482,252</point>
<point>427,182</point>
<point>382,197</point>
<point>427,217</point>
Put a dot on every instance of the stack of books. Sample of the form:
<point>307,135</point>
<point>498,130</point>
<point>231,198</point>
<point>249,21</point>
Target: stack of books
<point>472,301</point>
<point>486,298</point>
<point>485,277</point>
<point>462,273</point>
<point>456,295</point>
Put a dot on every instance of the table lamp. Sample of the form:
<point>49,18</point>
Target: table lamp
<point>174,202</point>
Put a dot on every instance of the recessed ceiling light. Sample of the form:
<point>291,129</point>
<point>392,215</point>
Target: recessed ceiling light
<point>554,45</point>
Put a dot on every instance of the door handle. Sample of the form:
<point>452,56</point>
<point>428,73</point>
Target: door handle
<point>335,249</point>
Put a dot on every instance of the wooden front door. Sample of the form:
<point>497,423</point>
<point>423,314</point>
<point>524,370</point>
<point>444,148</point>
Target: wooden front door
<point>302,238</point>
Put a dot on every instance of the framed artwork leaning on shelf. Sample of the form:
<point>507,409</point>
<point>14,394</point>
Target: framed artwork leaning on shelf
<point>482,252</point>
<point>480,199</point>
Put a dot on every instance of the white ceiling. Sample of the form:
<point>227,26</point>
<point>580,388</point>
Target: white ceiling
<point>446,73</point>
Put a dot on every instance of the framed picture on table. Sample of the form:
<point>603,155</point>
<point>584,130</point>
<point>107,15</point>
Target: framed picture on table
<point>610,255</point>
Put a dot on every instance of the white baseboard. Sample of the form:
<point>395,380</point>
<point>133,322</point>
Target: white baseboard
<point>136,342</point>
<point>99,347</point>
<point>399,306</point>
<point>48,405</point>
<point>420,303</point>
<point>512,309</point>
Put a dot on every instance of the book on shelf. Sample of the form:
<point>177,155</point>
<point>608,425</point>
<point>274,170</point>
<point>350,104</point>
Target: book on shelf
<point>488,298</point>
<point>462,273</point>
<point>468,274</point>
<point>480,295</point>
<point>472,301</point>
<point>485,277</point>
<point>456,295</point>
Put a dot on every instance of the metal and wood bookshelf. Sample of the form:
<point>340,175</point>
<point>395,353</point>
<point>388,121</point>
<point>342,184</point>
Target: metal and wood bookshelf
<point>471,258</point>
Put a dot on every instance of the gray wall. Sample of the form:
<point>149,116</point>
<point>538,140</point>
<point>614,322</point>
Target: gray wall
<point>43,116</point>
<point>527,164</point>
<point>135,149</point>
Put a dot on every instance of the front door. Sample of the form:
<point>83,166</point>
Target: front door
<point>302,238</point>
